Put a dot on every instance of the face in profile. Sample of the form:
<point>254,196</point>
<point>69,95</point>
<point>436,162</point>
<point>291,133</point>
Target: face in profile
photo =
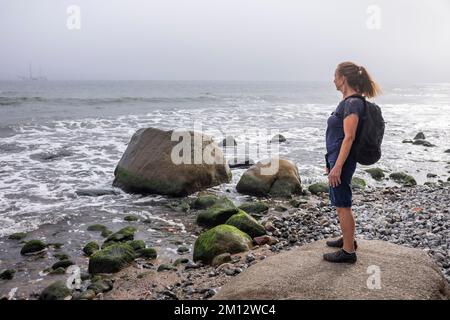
<point>338,80</point>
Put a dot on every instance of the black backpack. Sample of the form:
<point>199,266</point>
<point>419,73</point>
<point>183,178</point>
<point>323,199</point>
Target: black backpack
<point>366,148</point>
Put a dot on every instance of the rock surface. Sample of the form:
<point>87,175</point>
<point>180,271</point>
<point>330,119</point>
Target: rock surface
<point>405,273</point>
<point>147,166</point>
<point>276,177</point>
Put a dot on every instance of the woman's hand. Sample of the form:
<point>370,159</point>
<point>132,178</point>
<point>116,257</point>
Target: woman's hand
<point>334,177</point>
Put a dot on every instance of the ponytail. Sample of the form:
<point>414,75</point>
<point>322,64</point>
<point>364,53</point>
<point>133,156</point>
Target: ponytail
<point>359,79</point>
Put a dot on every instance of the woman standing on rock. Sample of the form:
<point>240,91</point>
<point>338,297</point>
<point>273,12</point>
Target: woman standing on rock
<point>355,84</point>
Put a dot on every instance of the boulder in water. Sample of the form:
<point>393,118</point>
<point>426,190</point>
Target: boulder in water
<point>154,163</point>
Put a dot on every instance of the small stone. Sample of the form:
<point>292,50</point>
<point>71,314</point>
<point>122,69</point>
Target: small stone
<point>182,250</point>
<point>131,218</point>
<point>8,274</point>
<point>165,267</point>
<point>180,261</point>
<point>62,264</point>
<point>209,293</point>
<point>33,246</point>
<point>221,259</point>
<point>17,236</point>
<point>249,258</point>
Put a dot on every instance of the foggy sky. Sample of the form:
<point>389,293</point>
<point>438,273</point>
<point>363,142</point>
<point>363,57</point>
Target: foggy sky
<point>224,39</point>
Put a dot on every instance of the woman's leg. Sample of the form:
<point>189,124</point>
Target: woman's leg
<point>347,222</point>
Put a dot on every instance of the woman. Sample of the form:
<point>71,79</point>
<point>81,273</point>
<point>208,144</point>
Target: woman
<point>350,79</point>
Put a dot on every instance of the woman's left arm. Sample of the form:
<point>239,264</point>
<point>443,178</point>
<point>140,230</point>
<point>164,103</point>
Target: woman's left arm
<point>350,126</point>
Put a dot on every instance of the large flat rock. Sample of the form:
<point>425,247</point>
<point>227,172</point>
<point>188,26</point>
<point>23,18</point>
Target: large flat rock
<point>301,273</point>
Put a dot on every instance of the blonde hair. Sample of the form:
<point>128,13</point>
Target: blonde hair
<point>359,79</point>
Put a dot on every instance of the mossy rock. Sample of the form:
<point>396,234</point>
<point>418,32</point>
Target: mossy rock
<point>247,224</point>
<point>96,227</point>
<point>376,173</point>
<point>56,291</point>
<point>403,178</point>
<point>123,235</point>
<point>358,183</point>
<point>220,239</point>
<point>33,246</point>
<point>131,218</point>
<point>90,248</point>
<point>17,236</point>
<point>180,261</point>
<point>254,207</point>
<point>204,201</point>
<point>111,259</point>
<point>217,213</point>
<point>137,244</point>
<point>106,233</point>
<point>182,250</point>
<point>62,264</point>
<point>319,187</point>
<point>7,274</point>
<point>100,286</point>
<point>165,267</point>
<point>147,253</point>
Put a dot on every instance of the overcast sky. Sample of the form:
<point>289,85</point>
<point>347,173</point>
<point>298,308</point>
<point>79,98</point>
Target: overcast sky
<point>225,39</point>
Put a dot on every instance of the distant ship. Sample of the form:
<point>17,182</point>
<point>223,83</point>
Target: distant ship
<point>30,77</point>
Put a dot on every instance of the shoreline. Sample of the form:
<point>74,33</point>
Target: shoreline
<point>411,216</point>
<point>203,282</point>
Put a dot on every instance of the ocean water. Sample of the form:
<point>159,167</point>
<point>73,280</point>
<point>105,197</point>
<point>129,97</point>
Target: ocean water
<point>58,137</point>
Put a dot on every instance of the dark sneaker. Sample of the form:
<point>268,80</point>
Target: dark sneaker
<point>340,256</point>
<point>339,243</point>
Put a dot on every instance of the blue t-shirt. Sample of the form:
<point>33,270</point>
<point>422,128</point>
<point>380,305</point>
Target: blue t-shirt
<point>335,125</point>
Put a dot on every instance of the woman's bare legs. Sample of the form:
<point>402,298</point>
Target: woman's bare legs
<point>347,222</point>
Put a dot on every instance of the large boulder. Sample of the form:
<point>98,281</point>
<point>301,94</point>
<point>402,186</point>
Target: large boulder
<point>218,240</point>
<point>301,273</point>
<point>274,177</point>
<point>148,165</point>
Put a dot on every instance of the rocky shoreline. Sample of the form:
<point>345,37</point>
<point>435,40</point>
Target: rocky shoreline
<point>411,216</point>
<point>218,236</point>
<point>414,216</point>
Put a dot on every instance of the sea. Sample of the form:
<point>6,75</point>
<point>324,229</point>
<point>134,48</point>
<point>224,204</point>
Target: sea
<point>57,137</point>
